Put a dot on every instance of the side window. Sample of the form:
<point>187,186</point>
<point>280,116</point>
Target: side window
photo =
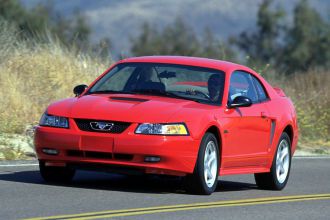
<point>260,89</point>
<point>241,85</point>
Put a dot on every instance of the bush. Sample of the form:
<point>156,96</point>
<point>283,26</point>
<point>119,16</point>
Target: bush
<point>311,96</point>
<point>34,75</point>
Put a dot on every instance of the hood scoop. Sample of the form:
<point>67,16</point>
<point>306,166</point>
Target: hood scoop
<point>129,99</point>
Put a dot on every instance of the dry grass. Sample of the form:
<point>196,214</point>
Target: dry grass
<point>32,75</point>
<point>311,96</point>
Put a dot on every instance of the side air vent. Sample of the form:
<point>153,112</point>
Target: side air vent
<point>272,131</point>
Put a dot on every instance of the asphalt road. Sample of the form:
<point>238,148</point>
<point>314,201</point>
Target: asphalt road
<point>23,194</point>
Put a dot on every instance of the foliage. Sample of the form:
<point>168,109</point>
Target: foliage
<point>289,48</point>
<point>42,22</point>
<point>14,147</point>
<point>311,96</point>
<point>10,153</point>
<point>35,74</point>
<point>262,46</point>
<point>308,40</point>
<point>179,39</point>
<point>43,56</point>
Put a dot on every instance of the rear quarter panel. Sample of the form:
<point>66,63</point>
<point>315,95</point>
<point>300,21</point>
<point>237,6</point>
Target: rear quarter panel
<point>281,110</point>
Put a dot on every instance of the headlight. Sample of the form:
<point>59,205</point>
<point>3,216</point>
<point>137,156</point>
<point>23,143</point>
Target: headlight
<point>162,129</point>
<point>54,121</point>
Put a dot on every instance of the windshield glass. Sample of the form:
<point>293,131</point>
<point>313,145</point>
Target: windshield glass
<point>177,81</point>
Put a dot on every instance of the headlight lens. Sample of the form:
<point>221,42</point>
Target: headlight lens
<point>54,121</point>
<point>162,129</point>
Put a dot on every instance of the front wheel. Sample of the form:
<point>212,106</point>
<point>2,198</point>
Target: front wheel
<point>278,176</point>
<point>205,177</point>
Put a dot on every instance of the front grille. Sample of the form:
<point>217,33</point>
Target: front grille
<point>123,156</point>
<point>98,155</point>
<point>75,153</point>
<point>117,128</point>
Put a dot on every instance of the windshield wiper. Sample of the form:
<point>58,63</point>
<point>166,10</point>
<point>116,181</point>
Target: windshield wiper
<point>163,93</point>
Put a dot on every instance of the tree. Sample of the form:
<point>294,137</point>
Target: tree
<point>41,20</point>
<point>262,46</point>
<point>175,39</point>
<point>308,41</point>
<point>215,48</point>
<point>178,39</point>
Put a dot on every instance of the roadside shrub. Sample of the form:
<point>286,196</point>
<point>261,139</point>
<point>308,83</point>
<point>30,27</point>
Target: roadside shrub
<point>311,96</point>
<point>34,75</point>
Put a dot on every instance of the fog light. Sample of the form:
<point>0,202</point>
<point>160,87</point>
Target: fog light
<point>151,159</point>
<point>50,151</point>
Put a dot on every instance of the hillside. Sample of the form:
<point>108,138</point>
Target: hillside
<point>121,20</point>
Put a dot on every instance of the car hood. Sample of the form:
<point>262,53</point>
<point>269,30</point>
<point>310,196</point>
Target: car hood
<point>129,108</point>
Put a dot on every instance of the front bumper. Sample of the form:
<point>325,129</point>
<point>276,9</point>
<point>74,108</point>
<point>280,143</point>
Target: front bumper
<point>177,154</point>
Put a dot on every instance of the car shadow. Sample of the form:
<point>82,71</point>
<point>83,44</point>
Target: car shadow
<point>114,182</point>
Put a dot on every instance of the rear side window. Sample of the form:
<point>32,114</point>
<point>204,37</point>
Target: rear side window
<point>262,95</point>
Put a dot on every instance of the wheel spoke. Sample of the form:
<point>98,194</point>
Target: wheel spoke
<point>211,159</point>
<point>209,174</point>
<point>278,173</point>
<point>282,170</point>
<point>206,157</point>
<point>284,153</point>
<point>278,161</point>
<point>278,166</point>
<point>206,164</point>
<point>205,175</point>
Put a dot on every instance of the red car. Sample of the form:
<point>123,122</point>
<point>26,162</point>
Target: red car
<point>180,116</point>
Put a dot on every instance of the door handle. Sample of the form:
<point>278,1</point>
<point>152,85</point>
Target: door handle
<point>264,115</point>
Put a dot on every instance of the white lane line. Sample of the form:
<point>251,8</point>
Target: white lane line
<point>19,165</point>
<point>311,157</point>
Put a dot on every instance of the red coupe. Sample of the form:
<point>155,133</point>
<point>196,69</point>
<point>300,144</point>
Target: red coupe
<point>182,116</point>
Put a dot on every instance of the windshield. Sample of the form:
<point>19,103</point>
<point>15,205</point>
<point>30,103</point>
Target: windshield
<point>197,84</point>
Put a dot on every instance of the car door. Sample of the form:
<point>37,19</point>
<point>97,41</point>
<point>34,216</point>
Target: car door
<point>247,129</point>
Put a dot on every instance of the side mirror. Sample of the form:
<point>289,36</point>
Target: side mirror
<point>240,101</point>
<point>78,90</point>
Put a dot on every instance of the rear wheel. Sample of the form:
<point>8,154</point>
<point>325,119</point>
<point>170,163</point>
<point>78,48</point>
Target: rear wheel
<point>205,177</point>
<point>56,174</point>
<point>278,176</point>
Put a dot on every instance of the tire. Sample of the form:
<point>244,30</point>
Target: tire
<point>56,174</point>
<point>204,179</point>
<point>279,173</point>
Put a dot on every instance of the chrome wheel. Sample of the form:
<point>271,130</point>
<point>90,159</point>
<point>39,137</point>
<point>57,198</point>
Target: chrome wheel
<point>282,161</point>
<point>210,164</point>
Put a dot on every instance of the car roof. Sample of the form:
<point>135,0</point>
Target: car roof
<point>191,61</point>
